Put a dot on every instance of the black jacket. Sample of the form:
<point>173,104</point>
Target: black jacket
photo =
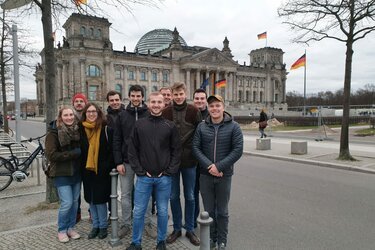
<point>123,129</point>
<point>222,145</point>
<point>97,187</point>
<point>154,147</point>
<point>112,115</point>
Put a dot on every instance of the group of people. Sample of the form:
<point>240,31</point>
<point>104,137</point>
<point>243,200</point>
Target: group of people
<point>153,146</point>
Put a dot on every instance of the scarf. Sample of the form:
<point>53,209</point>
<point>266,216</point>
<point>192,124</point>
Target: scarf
<point>67,134</point>
<point>93,136</point>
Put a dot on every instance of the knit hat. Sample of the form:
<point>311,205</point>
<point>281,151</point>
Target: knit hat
<point>79,95</point>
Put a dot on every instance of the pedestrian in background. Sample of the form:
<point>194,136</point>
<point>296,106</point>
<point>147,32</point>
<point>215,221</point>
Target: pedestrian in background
<point>97,163</point>
<point>262,123</point>
<point>217,145</point>
<point>63,152</point>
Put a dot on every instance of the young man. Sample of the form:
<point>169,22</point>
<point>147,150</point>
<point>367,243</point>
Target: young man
<point>114,107</point>
<point>217,145</point>
<point>200,102</point>
<point>167,95</point>
<point>79,101</point>
<point>136,110</point>
<point>186,117</point>
<point>154,155</point>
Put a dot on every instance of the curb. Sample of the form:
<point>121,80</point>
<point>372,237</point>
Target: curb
<point>315,163</point>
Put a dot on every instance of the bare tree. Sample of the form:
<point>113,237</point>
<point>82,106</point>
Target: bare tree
<point>315,20</point>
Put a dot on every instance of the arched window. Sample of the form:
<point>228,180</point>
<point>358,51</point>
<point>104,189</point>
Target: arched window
<point>143,76</point>
<point>165,76</point>
<point>118,88</point>
<point>82,31</point>
<point>240,96</point>
<point>254,96</point>
<point>93,71</point>
<point>247,96</point>
<point>91,32</point>
<point>261,97</point>
<point>118,73</point>
<point>98,33</point>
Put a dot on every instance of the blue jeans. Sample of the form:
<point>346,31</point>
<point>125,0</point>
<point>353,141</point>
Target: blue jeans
<point>99,213</point>
<point>215,195</point>
<point>143,189</point>
<point>68,206</point>
<point>188,181</point>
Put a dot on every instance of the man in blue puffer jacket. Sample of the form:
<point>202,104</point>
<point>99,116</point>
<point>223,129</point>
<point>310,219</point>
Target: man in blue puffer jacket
<point>217,145</point>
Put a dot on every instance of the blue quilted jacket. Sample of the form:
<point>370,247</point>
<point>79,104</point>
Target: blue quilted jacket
<point>222,145</point>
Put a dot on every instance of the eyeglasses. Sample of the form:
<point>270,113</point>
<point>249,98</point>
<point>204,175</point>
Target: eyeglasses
<point>91,111</point>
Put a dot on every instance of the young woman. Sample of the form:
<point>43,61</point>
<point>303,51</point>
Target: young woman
<point>262,123</point>
<point>62,151</point>
<point>97,162</point>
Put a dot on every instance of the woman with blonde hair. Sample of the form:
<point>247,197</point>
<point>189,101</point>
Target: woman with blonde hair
<point>97,162</point>
<point>62,151</point>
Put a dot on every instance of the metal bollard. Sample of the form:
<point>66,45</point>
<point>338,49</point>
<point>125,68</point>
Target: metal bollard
<point>114,240</point>
<point>38,170</point>
<point>204,221</point>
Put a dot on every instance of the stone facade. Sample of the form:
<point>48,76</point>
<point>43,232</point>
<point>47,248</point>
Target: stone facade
<point>87,63</point>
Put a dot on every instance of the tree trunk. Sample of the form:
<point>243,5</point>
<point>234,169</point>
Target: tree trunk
<point>2,75</point>
<point>49,57</point>
<point>344,138</point>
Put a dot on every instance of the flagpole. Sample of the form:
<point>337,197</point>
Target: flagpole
<point>304,87</point>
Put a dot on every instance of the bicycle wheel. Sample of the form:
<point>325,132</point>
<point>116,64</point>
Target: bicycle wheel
<point>11,132</point>
<point>5,174</point>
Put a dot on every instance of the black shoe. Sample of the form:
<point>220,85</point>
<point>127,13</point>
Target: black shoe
<point>134,247</point>
<point>265,136</point>
<point>193,238</point>
<point>102,233</point>
<point>173,236</point>
<point>161,246</point>
<point>94,232</point>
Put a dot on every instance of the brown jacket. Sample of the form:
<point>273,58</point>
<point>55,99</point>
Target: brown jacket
<point>63,160</point>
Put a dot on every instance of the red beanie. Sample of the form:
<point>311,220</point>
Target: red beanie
<point>79,95</point>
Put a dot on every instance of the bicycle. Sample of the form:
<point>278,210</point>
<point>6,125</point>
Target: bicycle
<point>11,169</point>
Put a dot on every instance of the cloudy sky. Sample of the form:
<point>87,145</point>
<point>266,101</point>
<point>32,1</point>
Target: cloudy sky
<point>207,23</point>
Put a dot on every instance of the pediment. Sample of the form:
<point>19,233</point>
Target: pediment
<point>212,57</point>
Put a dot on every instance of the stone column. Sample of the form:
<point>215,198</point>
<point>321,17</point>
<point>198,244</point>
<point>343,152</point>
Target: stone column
<point>208,86</point>
<point>59,78</point>
<point>198,79</point>
<point>258,90</point>
<point>125,83</point>
<point>188,84</point>
<point>216,79</point>
<point>149,85</point>
<point>234,91</point>
<point>106,80</point>
<point>82,87</point>
<point>226,87</point>
<point>137,75</point>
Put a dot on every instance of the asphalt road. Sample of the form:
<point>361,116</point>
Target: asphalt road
<point>283,205</point>
<point>29,128</point>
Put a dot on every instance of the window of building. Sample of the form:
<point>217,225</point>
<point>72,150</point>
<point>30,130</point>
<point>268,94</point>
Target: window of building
<point>91,32</point>
<point>240,96</point>
<point>82,31</point>
<point>154,76</point>
<point>118,73</point>
<point>98,33</point>
<point>261,97</point>
<point>118,88</point>
<point>276,98</point>
<point>165,76</point>
<point>93,92</point>
<point>276,84</point>
<point>93,71</point>
<point>254,96</point>
<point>143,76</point>
<point>247,96</point>
<point>131,75</point>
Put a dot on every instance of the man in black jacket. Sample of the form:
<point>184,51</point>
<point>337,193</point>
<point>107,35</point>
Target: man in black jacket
<point>217,145</point>
<point>114,107</point>
<point>154,155</point>
<point>136,110</point>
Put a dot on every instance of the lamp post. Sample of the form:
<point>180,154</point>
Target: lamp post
<point>8,5</point>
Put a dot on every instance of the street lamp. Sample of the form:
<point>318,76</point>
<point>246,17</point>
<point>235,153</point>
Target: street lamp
<point>8,5</point>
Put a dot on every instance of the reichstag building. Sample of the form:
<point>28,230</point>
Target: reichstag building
<point>87,63</point>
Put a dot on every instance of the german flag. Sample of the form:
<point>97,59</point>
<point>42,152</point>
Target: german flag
<point>299,63</point>
<point>262,35</point>
<point>79,2</point>
<point>221,83</point>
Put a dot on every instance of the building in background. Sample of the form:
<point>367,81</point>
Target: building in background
<point>86,62</point>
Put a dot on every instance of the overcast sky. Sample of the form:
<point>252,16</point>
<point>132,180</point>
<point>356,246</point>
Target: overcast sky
<point>206,23</point>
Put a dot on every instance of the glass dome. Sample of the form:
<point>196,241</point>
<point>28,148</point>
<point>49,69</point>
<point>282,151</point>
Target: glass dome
<point>156,40</point>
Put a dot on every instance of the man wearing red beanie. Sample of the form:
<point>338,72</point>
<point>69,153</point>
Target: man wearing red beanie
<point>79,102</point>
